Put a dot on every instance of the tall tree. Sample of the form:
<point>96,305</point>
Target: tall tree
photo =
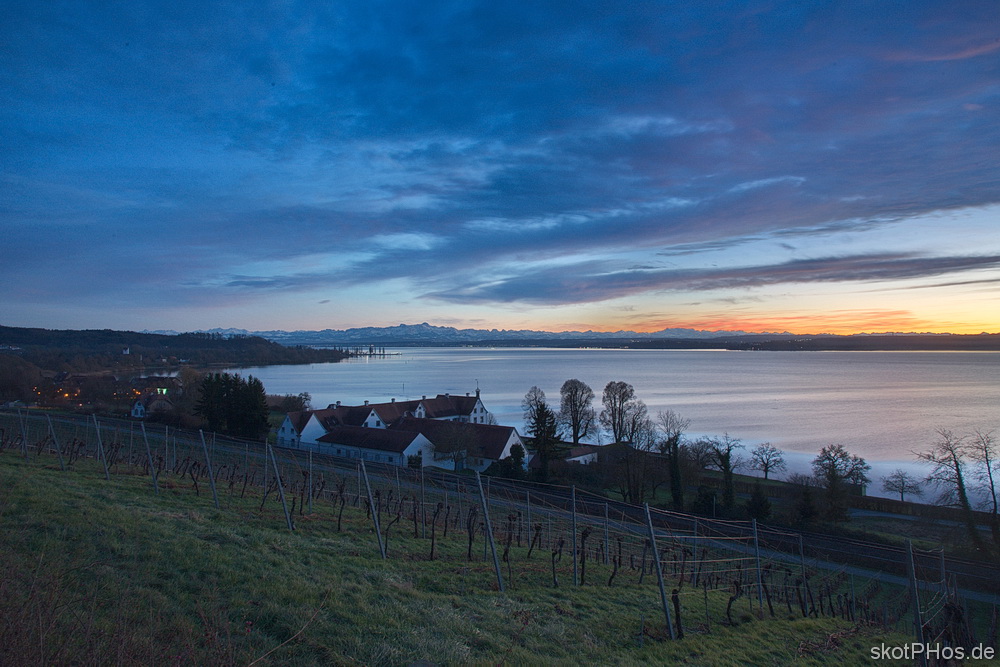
<point>576,409</point>
<point>672,427</point>
<point>723,451</point>
<point>983,451</point>
<point>948,458</point>
<point>232,405</point>
<point>835,468</point>
<point>543,427</point>
<point>623,414</point>
<point>767,458</point>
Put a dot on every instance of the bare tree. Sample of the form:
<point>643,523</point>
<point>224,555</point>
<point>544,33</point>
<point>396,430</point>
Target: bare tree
<point>834,468</point>
<point>901,482</point>
<point>637,469</point>
<point>767,458</point>
<point>983,450</point>
<point>725,460</point>
<point>672,427</point>
<point>949,460</point>
<point>576,409</point>
<point>623,412</point>
<point>698,453</point>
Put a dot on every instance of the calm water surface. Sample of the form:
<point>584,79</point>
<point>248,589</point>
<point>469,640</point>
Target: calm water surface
<point>880,405</point>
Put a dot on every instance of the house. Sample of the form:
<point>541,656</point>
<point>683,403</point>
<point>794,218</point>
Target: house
<point>149,405</point>
<point>379,445</point>
<point>451,432</point>
<point>463,446</point>
<point>306,427</point>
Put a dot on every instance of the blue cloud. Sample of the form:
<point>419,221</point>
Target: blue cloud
<point>213,149</point>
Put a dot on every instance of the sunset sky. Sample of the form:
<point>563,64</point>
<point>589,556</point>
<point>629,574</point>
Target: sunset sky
<point>761,166</point>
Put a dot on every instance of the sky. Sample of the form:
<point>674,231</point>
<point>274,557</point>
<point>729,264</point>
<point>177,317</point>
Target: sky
<point>795,166</point>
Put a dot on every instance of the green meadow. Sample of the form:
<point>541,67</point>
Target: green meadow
<point>100,572</point>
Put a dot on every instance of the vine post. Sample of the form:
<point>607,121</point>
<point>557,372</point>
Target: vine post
<point>211,473</point>
<point>489,532</point>
<point>659,572</point>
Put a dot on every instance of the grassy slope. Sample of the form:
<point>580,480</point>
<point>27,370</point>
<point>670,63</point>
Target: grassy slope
<point>108,573</point>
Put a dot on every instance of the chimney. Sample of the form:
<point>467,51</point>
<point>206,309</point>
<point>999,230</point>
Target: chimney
<point>393,400</point>
<point>466,394</point>
<point>424,397</point>
<point>338,404</point>
<point>366,402</point>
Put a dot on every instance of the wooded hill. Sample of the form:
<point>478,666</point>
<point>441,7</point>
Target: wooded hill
<point>105,349</point>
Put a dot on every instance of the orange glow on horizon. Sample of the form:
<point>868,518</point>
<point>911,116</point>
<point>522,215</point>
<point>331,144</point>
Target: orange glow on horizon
<point>843,323</point>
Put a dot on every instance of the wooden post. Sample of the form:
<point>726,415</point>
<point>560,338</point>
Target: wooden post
<point>489,532</point>
<point>802,560</point>
<point>149,459</point>
<point>281,488</point>
<point>310,482</point>
<point>52,432</point>
<point>100,449</point>
<point>944,575</point>
<point>527,503</point>
<point>423,515</point>
<point>606,526</point>
<point>576,576</point>
<point>854,609</point>
<point>373,510</point>
<point>22,422</point>
<point>211,473</point>
<point>918,622</point>
<point>659,573</point>
<point>760,584</point>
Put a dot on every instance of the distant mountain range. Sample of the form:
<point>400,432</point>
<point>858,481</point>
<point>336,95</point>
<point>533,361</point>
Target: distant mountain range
<point>415,335</point>
<point>428,333</point>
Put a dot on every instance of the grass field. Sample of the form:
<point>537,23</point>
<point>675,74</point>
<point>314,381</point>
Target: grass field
<point>100,573</point>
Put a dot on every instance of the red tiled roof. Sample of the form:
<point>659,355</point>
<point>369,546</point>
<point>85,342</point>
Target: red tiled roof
<point>369,438</point>
<point>446,405</point>
<point>439,407</point>
<point>490,440</point>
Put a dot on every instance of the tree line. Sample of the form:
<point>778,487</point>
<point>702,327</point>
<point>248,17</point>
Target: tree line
<point>106,350</point>
<point>647,453</point>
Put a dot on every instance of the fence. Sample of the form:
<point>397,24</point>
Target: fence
<point>689,571</point>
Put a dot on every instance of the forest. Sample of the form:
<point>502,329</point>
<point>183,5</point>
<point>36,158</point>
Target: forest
<point>105,349</point>
<point>34,362</point>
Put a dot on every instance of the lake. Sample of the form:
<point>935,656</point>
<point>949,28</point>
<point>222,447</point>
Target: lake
<point>879,405</point>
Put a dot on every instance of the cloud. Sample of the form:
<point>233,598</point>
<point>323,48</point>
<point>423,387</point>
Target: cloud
<point>482,153</point>
<point>968,52</point>
<point>584,284</point>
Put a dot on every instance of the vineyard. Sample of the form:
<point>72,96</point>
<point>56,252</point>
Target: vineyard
<point>680,576</point>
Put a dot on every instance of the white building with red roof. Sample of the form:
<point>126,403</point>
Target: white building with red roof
<point>446,431</point>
